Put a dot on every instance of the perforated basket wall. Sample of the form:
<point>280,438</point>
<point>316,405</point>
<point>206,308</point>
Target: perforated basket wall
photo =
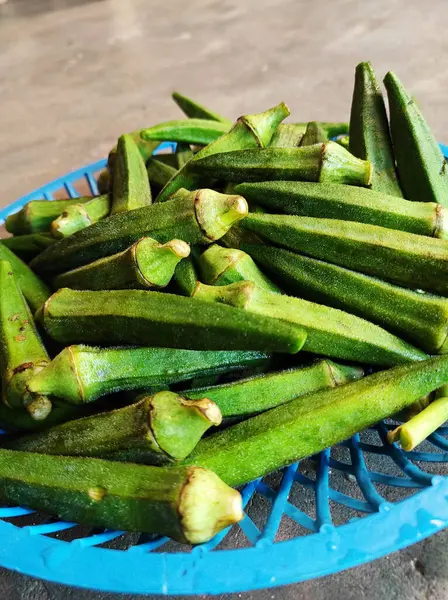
<point>350,504</point>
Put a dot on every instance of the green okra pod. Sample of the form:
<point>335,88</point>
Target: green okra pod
<point>369,131</point>
<point>314,422</point>
<point>198,217</point>
<point>288,135</point>
<point>249,131</point>
<point>327,162</point>
<point>22,353</point>
<point>260,393</point>
<point>314,134</point>
<point>29,245</point>
<point>37,216</point>
<point>145,264</point>
<point>159,173</point>
<point>186,275</point>
<point>36,292</point>
<point>349,203</point>
<point>160,429</point>
<point>104,182</point>
<point>421,318</point>
<point>422,168</point>
<point>236,236</point>
<point>131,188</point>
<point>191,131</point>
<point>330,331</point>
<point>163,320</point>
<point>196,111</point>
<point>82,374</point>
<point>186,503</point>
<point>408,259</point>
<point>183,154</point>
<point>146,148</point>
<point>80,216</point>
<point>221,266</point>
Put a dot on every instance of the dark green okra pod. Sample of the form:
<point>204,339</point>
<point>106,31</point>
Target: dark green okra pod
<point>80,216</point>
<point>328,162</point>
<point>159,174</point>
<point>145,264</point>
<point>131,185</point>
<point>369,131</point>
<point>191,131</point>
<point>422,318</point>
<point>186,275</point>
<point>221,266</point>
<point>309,424</point>
<point>349,203</point>
<point>29,245</point>
<point>422,168</point>
<point>38,215</point>
<point>164,320</point>
<point>198,217</point>
<point>260,393</point>
<point>415,261</point>
<point>36,292</point>
<point>22,353</point>
<point>186,503</point>
<point>183,154</point>
<point>249,131</point>
<point>196,111</point>
<point>104,182</point>
<point>160,429</point>
<point>82,374</point>
<point>330,331</point>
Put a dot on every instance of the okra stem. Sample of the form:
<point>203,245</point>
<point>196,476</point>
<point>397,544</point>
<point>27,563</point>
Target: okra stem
<point>38,215</point>
<point>80,216</point>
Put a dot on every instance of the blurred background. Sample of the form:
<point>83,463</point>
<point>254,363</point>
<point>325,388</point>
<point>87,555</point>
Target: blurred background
<point>74,74</point>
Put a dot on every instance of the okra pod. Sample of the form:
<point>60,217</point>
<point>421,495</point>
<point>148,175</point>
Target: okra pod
<point>37,216</point>
<point>36,292</point>
<point>104,182</point>
<point>183,154</point>
<point>288,135</point>
<point>330,331</point>
<point>159,173</point>
<point>145,264</point>
<point>186,503</point>
<point>186,275</point>
<point>249,131</point>
<point>22,353</point>
<point>408,259</point>
<point>82,374</point>
<point>349,203</point>
<point>163,320</point>
<point>80,216</point>
<point>160,429</point>
<point>369,131</point>
<point>146,148</point>
<point>191,131</point>
<point>327,162</point>
<point>198,217</point>
<point>314,134</point>
<point>421,318</point>
<point>260,393</point>
<point>221,266</point>
<point>237,236</point>
<point>196,111</point>
<point>308,425</point>
<point>29,245</point>
<point>131,185</point>
<point>422,168</point>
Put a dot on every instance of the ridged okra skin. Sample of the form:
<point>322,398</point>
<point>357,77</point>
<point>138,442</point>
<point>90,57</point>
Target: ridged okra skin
<point>82,374</point>
<point>198,217</point>
<point>408,259</point>
<point>159,174</point>
<point>262,392</point>
<point>190,131</point>
<point>187,504</point>
<point>369,131</point>
<point>27,246</point>
<point>314,134</point>
<point>421,318</point>
<point>80,216</point>
<point>422,168</point>
<point>165,320</point>
<point>194,110</point>
<point>299,429</point>
<point>144,265</point>
<point>37,216</point>
<point>330,331</point>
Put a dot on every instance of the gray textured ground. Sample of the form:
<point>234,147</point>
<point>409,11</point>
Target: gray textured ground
<point>74,74</point>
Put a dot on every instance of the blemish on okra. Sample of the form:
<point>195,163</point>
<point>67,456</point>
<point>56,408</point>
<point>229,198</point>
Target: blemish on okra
<point>97,493</point>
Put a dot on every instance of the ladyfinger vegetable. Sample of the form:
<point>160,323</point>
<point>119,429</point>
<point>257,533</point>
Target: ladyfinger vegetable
<point>191,131</point>
<point>311,423</point>
<point>186,274</point>
<point>198,217</point>
<point>29,245</point>
<point>196,111</point>
<point>159,173</point>
<point>422,168</point>
<point>145,264</point>
<point>369,131</point>
<point>408,259</point>
<point>38,215</point>
<point>329,331</point>
<point>164,320</point>
<point>79,216</point>
<point>314,134</point>
<point>81,374</point>
<point>186,503</point>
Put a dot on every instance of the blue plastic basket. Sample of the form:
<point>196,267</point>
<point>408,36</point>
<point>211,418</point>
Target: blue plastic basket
<point>348,505</point>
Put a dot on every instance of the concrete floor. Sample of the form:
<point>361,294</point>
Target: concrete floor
<point>74,74</point>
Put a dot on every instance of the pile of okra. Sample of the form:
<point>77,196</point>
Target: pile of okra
<point>265,291</point>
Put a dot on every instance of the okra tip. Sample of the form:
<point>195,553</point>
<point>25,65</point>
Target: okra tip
<point>202,520</point>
